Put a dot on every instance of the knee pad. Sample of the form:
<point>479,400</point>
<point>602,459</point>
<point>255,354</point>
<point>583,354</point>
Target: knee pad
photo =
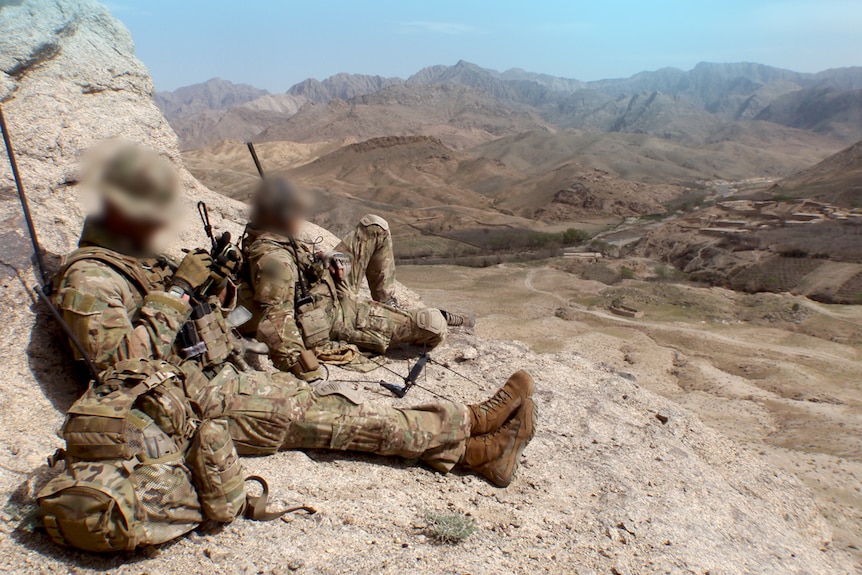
<point>371,220</point>
<point>432,321</point>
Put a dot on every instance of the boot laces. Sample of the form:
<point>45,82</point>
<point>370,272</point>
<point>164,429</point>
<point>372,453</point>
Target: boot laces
<point>499,399</point>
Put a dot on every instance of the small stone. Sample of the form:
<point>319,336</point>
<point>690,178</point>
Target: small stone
<point>215,555</point>
<point>296,564</point>
<point>468,354</point>
<point>663,418</point>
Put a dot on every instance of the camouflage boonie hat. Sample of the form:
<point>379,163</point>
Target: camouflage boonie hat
<point>141,184</point>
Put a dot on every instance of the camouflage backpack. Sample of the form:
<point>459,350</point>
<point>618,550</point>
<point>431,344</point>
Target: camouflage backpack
<point>141,469</point>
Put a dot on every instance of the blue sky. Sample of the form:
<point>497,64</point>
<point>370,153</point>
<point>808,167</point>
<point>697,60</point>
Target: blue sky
<point>275,43</point>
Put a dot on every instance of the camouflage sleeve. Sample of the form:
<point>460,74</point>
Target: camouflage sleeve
<point>273,276</point>
<point>98,304</point>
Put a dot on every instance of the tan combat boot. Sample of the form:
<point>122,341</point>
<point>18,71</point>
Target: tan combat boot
<point>490,415</point>
<point>496,456</point>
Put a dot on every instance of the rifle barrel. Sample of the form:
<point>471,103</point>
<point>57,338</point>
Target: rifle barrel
<point>254,157</point>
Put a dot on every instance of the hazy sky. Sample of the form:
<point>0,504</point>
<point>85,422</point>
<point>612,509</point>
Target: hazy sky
<point>275,43</point>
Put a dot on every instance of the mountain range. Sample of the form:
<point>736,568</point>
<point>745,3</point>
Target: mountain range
<point>455,150</point>
<point>686,106</point>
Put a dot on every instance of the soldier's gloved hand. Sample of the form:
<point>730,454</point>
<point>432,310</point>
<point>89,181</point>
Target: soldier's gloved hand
<point>194,271</point>
<point>227,261</point>
<point>337,263</point>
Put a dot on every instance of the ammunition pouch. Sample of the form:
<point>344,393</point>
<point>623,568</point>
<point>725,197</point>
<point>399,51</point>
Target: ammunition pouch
<point>207,336</point>
<point>315,326</point>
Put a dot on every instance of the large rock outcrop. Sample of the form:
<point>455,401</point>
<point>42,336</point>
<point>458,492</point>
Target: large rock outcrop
<point>618,480</point>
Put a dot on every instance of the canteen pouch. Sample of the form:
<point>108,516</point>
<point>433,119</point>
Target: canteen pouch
<point>217,473</point>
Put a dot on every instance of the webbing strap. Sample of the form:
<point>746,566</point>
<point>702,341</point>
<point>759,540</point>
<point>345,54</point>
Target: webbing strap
<point>255,508</point>
<point>109,258</point>
<point>151,382</point>
<point>53,529</point>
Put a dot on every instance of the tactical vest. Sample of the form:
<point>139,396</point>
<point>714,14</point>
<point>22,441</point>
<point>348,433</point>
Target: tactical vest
<point>206,338</point>
<point>313,315</point>
<point>140,466</point>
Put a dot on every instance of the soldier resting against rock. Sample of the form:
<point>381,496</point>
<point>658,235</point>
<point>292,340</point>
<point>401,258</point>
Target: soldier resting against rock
<point>307,300</point>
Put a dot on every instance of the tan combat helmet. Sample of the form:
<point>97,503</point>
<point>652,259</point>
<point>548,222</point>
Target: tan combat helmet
<point>276,201</point>
<point>138,182</point>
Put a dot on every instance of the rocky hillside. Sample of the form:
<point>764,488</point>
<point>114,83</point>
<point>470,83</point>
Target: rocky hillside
<point>341,87</point>
<point>837,179</point>
<point>459,115</point>
<point>617,480</point>
<point>240,122</point>
<point>822,110</point>
<point>510,185</point>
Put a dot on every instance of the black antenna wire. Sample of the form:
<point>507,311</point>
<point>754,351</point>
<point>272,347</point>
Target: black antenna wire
<point>43,290</point>
<point>25,205</point>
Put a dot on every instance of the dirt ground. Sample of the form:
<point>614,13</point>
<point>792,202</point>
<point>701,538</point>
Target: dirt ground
<point>778,373</point>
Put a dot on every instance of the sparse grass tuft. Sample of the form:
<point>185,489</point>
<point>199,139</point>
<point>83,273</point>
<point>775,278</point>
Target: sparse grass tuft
<point>627,273</point>
<point>449,528</point>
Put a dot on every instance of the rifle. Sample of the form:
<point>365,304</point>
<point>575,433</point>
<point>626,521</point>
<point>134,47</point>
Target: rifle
<point>45,289</point>
<point>400,391</point>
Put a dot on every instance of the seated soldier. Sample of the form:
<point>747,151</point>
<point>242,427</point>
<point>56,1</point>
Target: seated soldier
<point>125,303</point>
<point>305,300</point>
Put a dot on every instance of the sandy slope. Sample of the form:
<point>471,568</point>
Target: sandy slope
<point>792,398</point>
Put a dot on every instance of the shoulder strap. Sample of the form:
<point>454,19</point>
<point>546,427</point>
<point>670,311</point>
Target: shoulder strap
<point>127,266</point>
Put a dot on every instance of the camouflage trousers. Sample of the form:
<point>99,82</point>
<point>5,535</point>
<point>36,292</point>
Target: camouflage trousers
<point>370,249</point>
<point>370,324</point>
<point>271,412</point>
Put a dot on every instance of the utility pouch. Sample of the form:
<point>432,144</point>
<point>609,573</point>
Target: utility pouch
<point>216,471</point>
<point>206,336</point>
<point>99,424</point>
<point>307,368</point>
<point>315,326</point>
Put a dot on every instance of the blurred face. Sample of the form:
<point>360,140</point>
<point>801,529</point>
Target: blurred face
<point>141,234</point>
<point>293,226</point>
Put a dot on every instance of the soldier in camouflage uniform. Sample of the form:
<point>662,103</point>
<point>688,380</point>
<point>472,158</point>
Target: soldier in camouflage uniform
<point>305,300</point>
<point>126,304</point>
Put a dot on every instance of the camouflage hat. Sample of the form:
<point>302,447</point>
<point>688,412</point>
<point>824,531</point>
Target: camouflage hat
<point>277,201</point>
<point>140,183</point>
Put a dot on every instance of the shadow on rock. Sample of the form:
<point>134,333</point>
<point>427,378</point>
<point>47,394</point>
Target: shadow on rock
<point>48,355</point>
<point>62,380</point>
